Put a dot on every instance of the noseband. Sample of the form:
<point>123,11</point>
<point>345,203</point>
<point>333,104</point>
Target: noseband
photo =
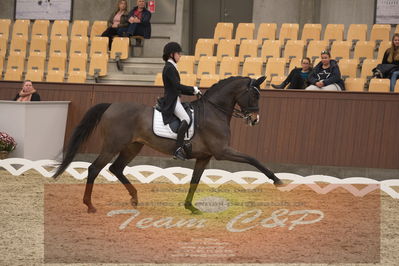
<point>247,111</point>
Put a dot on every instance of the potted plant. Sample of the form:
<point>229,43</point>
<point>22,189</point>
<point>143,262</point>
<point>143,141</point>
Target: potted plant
<point>7,145</point>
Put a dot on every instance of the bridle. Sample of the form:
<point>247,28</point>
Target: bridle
<point>246,112</point>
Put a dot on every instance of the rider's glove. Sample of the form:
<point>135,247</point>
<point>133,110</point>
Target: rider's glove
<point>197,91</point>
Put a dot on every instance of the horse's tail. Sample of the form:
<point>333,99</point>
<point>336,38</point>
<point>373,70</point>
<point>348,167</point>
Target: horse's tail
<point>81,133</point>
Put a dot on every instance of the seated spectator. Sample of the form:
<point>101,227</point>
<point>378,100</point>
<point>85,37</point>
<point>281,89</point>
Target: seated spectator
<point>117,20</point>
<point>391,56</point>
<point>298,77</point>
<point>28,93</point>
<point>139,22</point>
<point>326,75</point>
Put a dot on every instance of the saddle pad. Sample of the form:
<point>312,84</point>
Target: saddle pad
<point>164,131</point>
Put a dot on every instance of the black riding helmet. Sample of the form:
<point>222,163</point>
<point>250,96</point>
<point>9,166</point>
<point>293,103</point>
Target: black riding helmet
<point>170,48</point>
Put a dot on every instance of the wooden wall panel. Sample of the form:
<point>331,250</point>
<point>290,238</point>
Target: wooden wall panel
<point>299,127</point>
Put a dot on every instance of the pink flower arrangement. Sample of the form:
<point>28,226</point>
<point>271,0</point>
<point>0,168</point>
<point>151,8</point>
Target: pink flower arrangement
<point>7,143</point>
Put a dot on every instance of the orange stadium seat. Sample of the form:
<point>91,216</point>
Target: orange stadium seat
<point>188,79</point>
<point>158,80</point>
<point>275,67</point>
<point>367,67</point>
<point>204,47</point>
<point>98,66</point>
<point>78,45</point>
<point>98,27</point>
<point>289,31</point>
<point>120,48</point>
<point>99,46</point>
<point>21,29</point>
<point>226,48</point>
<point>379,85</point>
<point>36,61</point>
<point>18,45</point>
<point>55,76</point>
<point>80,28</point>
<point>348,68</point>
<point>380,32</point>
<point>186,64</point>
<point>364,50</point>
<point>245,31</point>
<point>77,77</point>
<point>270,48</point>
<point>77,62</point>
<point>206,66</point>
<point>340,49</point>
<point>229,67</point>
<point>223,31</point>
<point>38,45</point>
<point>315,48</point>
<point>248,48</point>
<point>294,49</point>
<point>5,28</point>
<point>58,45</point>
<point>3,46</point>
<point>295,62</point>
<point>357,32</point>
<point>277,80</point>
<point>34,75</point>
<point>207,81</point>
<point>59,28</point>
<point>266,31</point>
<point>252,67</point>
<point>40,28</point>
<point>355,84</point>
<point>311,32</point>
<point>334,32</point>
<point>382,49</point>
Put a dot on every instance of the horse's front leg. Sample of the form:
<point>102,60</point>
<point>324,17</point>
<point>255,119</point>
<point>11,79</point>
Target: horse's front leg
<point>199,168</point>
<point>232,155</point>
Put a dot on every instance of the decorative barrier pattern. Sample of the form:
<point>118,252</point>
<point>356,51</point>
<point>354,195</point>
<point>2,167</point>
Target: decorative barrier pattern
<point>208,177</point>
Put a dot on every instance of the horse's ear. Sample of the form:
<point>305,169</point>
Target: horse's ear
<point>259,81</point>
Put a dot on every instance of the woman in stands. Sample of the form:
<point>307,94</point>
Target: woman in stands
<point>28,93</point>
<point>170,104</point>
<point>298,77</point>
<point>117,20</point>
<point>326,75</point>
<point>391,56</point>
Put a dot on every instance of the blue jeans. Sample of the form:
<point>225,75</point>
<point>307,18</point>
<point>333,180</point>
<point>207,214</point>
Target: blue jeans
<point>394,77</point>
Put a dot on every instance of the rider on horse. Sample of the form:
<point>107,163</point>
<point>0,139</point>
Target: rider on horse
<point>173,89</point>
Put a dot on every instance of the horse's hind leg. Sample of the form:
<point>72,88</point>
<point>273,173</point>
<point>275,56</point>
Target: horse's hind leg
<point>125,156</point>
<point>94,170</point>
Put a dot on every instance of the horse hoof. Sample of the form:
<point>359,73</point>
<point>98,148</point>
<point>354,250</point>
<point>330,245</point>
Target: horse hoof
<point>134,202</point>
<point>91,210</point>
<point>278,183</point>
<point>195,211</point>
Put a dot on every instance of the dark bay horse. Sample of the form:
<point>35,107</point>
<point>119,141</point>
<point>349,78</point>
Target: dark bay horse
<point>126,127</point>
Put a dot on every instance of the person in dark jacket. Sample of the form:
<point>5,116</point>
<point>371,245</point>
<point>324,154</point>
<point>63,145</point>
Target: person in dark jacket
<point>298,77</point>
<point>139,22</point>
<point>391,56</point>
<point>117,20</point>
<point>27,93</point>
<point>171,104</point>
<point>326,75</point>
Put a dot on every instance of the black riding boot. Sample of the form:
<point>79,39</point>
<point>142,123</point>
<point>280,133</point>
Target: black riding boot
<point>281,86</point>
<point>180,153</point>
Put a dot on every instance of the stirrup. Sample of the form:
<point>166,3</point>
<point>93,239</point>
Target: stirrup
<point>180,154</point>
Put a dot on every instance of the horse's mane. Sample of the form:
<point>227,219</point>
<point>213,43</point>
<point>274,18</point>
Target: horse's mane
<point>217,86</point>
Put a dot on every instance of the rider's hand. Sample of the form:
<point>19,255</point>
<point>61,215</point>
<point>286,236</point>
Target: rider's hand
<point>197,91</point>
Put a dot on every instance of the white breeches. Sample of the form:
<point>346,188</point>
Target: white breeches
<point>180,112</point>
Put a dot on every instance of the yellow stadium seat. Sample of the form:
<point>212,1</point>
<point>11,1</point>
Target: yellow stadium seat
<point>334,32</point>
<point>340,49</point>
<point>357,32</point>
<point>380,32</point>
<point>38,45</point>
<point>80,28</point>
<point>98,66</point>
<point>379,85</point>
<point>59,28</point>
<point>77,77</point>
<point>315,48</point>
<point>367,67</point>
<point>18,45</point>
<point>277,80</point>
<point>158,80</point>
<point>355,84</point>
<point>206,65</point>
<point>58,45</point>
<point>364,50</point>
<point>36,61</point>
<point>266,31</point>
<point>56,62</point>
<point>223,31</point>
<point>311,32</point>
<point>275,67</point>
<point>270,48</point>
<point>188,79</point>
<point>248,48</point>
<point>77,63</point>
<point>348,68</point>
<point>13,74</point>
<point>120,48</point>
<point>295,62</point>
<point>3,46</point>
<point>40,28</point>
<point>186,64</point>
<point>34,75</point>
<point>99,46</point>
<point>1,65</point>
<point>294,49</point>
<point>252,67</point>
<point>245,31</point>
<point>229,67</point>
<point>289,31</point>
<point>204,47</point>
<point>21,29</point>
<point>55,76</point>
<point>207,81</point>
<point>78,45</point>
<point>5,28</point>
<point>382,49</point>
<point>98,27</point>
<point>226,48</point>
<point>16,61</point>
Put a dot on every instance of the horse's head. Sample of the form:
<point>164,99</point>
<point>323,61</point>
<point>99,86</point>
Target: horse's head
<point>248,99</point>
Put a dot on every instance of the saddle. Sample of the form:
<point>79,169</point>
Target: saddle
<point>170,130</point>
